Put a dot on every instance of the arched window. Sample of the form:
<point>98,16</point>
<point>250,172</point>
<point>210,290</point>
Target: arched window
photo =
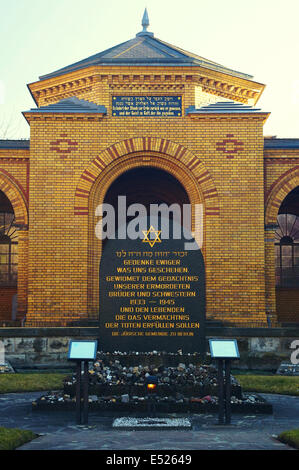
<point>8,244</point>
<point>287,250</point>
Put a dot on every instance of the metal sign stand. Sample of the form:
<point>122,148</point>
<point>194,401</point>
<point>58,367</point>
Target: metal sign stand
<point>79,388</point>
<point>220,392</point>
<point>78,392</point>
<point>224,351</point>
<point>228,389</point>
<point>82,351</point>
<point>224,394</point>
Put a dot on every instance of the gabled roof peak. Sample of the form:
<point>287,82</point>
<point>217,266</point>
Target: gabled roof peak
<point>146,50</point>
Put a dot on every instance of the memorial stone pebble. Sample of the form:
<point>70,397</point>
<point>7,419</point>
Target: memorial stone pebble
<point>108,380</point>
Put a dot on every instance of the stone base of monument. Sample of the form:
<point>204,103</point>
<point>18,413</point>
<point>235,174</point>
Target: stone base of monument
<point>148,424</point>
<point>250,403</point>
<point>181,375</point>
<point>183,387</point>
<point>164,390</point>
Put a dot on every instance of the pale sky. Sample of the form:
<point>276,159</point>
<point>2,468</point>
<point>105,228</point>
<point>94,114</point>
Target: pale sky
<point>258,37</point>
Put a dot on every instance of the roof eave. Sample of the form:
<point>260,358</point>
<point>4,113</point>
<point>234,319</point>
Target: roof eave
<point>149,63</point>
<point>29,114</point>
<point>229,114</point>
<point>32,95</point>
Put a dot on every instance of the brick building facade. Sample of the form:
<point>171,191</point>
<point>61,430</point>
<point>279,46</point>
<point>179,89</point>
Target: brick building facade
<point>215,154</point>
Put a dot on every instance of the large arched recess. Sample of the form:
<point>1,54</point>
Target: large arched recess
<point>113,162</point>
<point>18,200</point>
<point>275,196</point>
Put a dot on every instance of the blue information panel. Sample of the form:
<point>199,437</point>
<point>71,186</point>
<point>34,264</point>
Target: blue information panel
<point>82,350</point>
<point>224,349</point>
<point>151,106</point>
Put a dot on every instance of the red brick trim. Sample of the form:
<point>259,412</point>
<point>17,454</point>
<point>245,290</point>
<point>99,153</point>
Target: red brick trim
<point>16,195</point>
<point>143,144</point>
<point>278,191</point>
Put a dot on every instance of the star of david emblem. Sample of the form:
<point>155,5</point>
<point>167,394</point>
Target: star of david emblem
<point>147,236</point>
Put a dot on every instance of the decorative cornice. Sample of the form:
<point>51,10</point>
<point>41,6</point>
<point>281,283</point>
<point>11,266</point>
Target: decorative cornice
<point>11,159</point>
<point>212,82</point>
<point>227,90</point>
<point>147,87</point>
<point>231,117</point>
<point>62,90</point>
<point>67,95</point>
<point>63,117</point>
<point>231,96</point>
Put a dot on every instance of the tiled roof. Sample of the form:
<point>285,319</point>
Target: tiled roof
<point>222,107</point>
<point>70,105</point>
<point>15,144</point>
<point>146,50</point>
<point>274,143</point>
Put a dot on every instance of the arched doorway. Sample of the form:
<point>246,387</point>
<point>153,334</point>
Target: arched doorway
<point>8,260</point>
<point>150,188</point>
<point>145,180</point>
<point>287,259</point>
<point>146,185</point>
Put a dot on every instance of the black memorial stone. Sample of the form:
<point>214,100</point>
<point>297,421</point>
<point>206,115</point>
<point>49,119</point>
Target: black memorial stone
<point>152,294</point>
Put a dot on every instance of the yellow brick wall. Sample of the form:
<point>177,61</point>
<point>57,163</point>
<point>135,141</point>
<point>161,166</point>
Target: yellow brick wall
<point>58,257</point>
<point>235,247</point>
<point>23,242</point>
<point>59,243</point>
